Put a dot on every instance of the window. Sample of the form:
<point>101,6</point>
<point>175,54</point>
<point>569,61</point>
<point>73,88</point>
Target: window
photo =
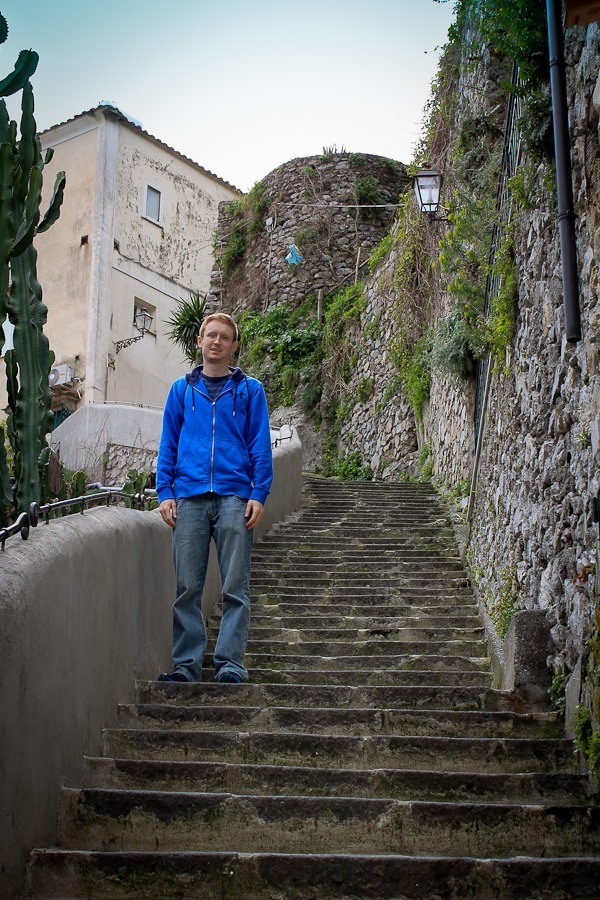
<point>153,204</point>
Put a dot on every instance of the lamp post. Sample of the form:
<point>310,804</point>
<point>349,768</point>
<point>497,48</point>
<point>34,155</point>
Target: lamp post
<point>142,321</point>
<point>427,185</point>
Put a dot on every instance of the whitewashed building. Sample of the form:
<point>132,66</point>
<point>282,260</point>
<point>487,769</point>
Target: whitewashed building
<point>135,232</point>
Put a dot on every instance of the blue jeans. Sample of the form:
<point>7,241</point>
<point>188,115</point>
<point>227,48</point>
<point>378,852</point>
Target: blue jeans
<point>200,519</point>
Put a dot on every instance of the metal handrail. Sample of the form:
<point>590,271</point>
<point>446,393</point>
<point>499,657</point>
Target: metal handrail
<point>284,437</point>
<point>30,519</point>
<point>510,159</point>
<point>20,526</point>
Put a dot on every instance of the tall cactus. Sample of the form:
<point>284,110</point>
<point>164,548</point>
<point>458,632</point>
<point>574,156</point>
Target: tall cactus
<point>28,364</point>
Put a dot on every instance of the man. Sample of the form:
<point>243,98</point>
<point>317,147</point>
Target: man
<point>213,475</point>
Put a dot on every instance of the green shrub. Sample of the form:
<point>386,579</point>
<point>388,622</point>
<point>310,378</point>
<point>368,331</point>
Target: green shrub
<point>185,321</point>
<point>343,310</point>
<point>357,159</point>
<point>349,467</point>
<point>306,237</point>
<point>583,729</point>
<point>425,462</point>
<point>235,248</point>
<point>365,388</point>
<point>452,346</point>
<point>280,348</point>
<point>556,692</point>
<point>368,191</point>
<point>414,367</point>
<point>311,395</point>
<point>507,601</point>
<point>383,249</point>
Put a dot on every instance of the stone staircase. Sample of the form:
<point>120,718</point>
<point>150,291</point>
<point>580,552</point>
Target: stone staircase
<point>368,758</point>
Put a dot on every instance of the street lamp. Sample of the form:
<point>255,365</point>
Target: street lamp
<point>427,185</point>
<point>142,321</point>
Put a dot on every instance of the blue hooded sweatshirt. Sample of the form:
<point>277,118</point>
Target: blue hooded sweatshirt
<point>221,445</point>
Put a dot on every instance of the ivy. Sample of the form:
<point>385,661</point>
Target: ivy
<point>349,467</point>
<point>342,311</point>
<point>517,30</point>
<point>283,347</point>
<point>247,219</point>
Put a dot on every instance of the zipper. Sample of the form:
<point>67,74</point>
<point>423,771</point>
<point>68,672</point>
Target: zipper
<point>212,444</point>
<point>212,447</point>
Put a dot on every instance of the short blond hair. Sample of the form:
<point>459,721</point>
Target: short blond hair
<point>220,317</point>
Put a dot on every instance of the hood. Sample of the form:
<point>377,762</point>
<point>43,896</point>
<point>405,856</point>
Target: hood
<point>192,378</point>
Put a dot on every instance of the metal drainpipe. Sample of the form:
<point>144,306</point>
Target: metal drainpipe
<point>564,184</point>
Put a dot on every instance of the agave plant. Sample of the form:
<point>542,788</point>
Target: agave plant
<point>184,323</point>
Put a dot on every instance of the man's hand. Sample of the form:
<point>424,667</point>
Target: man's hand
<point>168,510</point>
<point>253,514</point>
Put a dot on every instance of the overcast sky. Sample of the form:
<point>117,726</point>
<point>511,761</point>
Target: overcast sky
<point>239,86</point>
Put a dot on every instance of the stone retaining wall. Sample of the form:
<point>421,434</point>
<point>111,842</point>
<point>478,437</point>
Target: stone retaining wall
<point>312,203</point>
<point>532,542</point>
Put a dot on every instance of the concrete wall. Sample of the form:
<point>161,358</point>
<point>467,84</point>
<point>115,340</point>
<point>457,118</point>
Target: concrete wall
<point>85,606</point>
<point>82,440</point>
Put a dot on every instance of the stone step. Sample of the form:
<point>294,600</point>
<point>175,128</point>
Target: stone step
<point>416,634</point>
<point>449,582</point>
<point>424,539</point>
<point>328,720</point>
<point>391,598</point>
<point>400,784</point>
<point>341,552</point>
<point>419,586</point>
<point>354,661</point>
<point>356,677</point>
<point>369,731</point>
<point>90,818</point>
<point>365,606</point>
<point>420,752</point>
<point>72,875</point>
<point>340,697</point>
<point>281,649</point>
<point>348,521</point>
<point>341,618</point>
<point>334,568</point>
<point>369,554</point>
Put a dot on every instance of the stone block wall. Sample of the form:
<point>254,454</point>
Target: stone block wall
<point>532,542</point>
<point>382,426</point>
<point>540,467</point>
<point>313,203</point>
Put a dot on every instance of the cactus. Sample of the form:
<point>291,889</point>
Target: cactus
<point>28,364</point>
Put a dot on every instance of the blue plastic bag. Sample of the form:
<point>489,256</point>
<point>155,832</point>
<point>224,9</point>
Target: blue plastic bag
<point>294,256</point>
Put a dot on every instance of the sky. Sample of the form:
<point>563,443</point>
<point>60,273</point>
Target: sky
<point>239,86</point>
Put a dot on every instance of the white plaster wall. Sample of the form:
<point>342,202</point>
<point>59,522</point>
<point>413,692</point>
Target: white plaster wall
<point>91,286</point>
<point>144,371</point>
<point>153,265</point>
<point>81,440</point>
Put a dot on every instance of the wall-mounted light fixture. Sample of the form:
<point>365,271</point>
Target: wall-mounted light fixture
<point>142,321</point>
<point>427,185</point>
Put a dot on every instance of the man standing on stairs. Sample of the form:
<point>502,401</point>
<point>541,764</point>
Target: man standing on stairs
<point>213,476</point>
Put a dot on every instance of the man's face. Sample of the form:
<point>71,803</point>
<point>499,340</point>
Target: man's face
<point>217,343</point>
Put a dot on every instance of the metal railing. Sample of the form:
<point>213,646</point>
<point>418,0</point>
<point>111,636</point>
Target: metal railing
<point>30,519</point>
<point>282,437</point>
<point>510,160</point>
